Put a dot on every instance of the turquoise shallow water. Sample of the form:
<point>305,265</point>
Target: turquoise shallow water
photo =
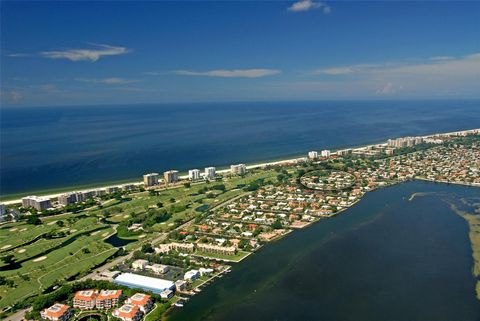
<point>53,147</point>
<point>385,259</point>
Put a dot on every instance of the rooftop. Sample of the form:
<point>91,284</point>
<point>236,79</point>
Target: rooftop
<point>156,285</point>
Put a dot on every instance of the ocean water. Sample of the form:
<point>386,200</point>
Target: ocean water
<point>54,147</point>
<point>385,259</point>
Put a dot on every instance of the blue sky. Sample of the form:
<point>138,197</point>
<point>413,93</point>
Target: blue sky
<point>73,53</point>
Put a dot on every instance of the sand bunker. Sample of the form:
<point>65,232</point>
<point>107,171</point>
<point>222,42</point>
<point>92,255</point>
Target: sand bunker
<point>21,250</point>
<point>51,223</point>
<point>73,230</point>
<point>105,234</point>
<point>142,236</point>
<point>13,229</point>
<point>94,233</point>
<point>41,258</point>
<point>126,216</point>
<point>23,229</point>
<point>6,246</point>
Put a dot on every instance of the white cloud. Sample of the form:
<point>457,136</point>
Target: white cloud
<point>154,73</point>
<point>240,73</point>
<point>108,81</point>
<point>439,66</point>
<point>409,78</point>
<point>134,89</point>
<point>388,89</point>
<point>17,55</point>
<point>92,54</point>
<point>441,58</point>
<point>15,96</point>
<point>50,89</point>
<point>306,5</point>
<point>11,96</point>
<point>335,71</point>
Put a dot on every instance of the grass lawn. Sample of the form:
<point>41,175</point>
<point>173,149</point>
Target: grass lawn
<point>240,255</point>
<point>156,313</point>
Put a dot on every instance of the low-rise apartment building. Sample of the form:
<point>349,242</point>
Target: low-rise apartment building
<point>57,312</point>
<point>85,299</point>
<point>128,312</point>
<point>143,301</point>
<point>108,299</point>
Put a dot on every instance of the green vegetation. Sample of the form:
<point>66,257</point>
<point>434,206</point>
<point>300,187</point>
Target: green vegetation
<point>237,257</point>
<point>473,220</point>
<point>42,251</point>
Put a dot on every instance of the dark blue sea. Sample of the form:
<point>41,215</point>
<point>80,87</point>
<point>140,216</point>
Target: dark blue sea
<point>55,147</point>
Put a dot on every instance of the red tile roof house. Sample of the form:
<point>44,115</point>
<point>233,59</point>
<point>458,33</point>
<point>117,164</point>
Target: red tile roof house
<point>57,312</point>
<point>108,299</point>
<point>128,312</point>
<point>85,299</point>
<point>143,301</point>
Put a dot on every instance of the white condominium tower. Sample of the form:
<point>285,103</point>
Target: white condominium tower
<point>313,155</point>
<point>325,153</point>
<point>209,172</point>
<point>238,169</point>
<point>194,174</point>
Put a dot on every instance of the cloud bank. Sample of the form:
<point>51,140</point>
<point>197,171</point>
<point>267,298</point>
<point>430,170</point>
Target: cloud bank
<point>108,81</point>
<point>92,54</point>
<point>236,73</point>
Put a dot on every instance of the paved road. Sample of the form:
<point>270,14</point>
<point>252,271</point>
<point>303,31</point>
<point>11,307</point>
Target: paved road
<point>18,316</point>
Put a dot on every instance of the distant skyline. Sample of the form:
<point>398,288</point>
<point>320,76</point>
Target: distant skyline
<point>74,53</point>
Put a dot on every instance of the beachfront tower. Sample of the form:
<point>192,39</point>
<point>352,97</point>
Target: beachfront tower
<point>239,169</point>
<point>194,174</point>
<point>150,179</point>
<point>209,172</point>
<point>170,176</point>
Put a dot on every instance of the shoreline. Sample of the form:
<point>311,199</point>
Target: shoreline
<point>16,198</point>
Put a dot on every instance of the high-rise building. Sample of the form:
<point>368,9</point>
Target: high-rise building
<point>239,169</point>
<point>67,198</point>
<point>325,153</point>
<point>418,140</point>
<point>313,155</point>
<point>39,203</point>
<point>111,189</point>
<point>344,152</point>
<point>170,176</point>
<point>210,172</point>
<point>194,174</point>
<point>150,179</point>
